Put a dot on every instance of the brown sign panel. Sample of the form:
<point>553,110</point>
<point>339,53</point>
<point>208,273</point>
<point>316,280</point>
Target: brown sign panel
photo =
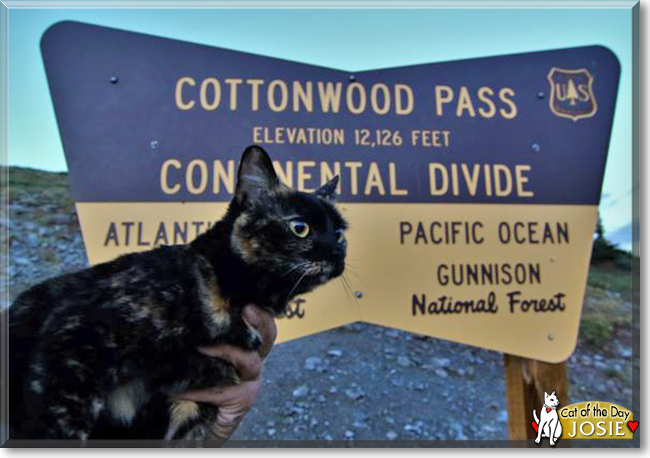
<point>471,187</point>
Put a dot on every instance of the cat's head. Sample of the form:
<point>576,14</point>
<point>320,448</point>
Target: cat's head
<point>297,237</point>
<point>551,400</point>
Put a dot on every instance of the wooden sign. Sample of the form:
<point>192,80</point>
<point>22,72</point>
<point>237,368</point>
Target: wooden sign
<point>471,187</point>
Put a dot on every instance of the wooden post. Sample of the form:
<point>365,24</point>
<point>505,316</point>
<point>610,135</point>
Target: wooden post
<point>526,381</point>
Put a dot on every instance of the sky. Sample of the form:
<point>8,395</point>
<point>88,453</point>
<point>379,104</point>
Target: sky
<point>347,39</point>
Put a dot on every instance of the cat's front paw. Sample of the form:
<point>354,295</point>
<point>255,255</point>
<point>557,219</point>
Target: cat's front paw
<point>537,440</point>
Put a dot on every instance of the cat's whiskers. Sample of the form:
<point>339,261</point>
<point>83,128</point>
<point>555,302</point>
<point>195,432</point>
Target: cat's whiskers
<point>307,267</point>
<point>350,269</point>
<point>296,286</point>
<point>316,267</point>
<point>347,284</point>
<point>296,267</point>
<point>356,301</point>
<point>346,289</point>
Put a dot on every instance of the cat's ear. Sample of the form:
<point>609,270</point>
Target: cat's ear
<point>553,392</point>
<point>328,190</point>
<point>256,175</point>
<point>545,394</point>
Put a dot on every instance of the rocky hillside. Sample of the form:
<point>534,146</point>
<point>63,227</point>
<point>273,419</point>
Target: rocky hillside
<point>359,381</point>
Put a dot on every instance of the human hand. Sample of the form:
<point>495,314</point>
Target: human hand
<point>235,401</point>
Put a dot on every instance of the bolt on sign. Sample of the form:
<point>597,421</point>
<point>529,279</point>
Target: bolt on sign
<point>471,187</point>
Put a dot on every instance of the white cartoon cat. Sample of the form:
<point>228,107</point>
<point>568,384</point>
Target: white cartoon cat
<point>548,425</point>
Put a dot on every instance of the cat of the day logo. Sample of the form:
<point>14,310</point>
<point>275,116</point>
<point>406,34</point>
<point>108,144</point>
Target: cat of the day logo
<point>548,423</point>
<point>572,94</point>
<point>583,420</point>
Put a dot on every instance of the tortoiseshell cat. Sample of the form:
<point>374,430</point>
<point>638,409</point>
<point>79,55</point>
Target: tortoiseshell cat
<point>96,353</point>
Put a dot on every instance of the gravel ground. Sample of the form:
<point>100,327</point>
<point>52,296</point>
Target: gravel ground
<point>356,382</point>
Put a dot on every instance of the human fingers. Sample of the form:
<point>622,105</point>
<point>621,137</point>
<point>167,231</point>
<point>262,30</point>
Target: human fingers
<point>264,323</point>
<point>248,364</point>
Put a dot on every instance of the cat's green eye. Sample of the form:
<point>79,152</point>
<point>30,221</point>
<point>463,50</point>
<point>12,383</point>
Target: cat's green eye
<point>340,235</point>
<point>300,228</point>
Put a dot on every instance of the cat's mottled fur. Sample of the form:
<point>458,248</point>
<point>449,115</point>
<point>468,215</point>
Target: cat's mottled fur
<point>96,354</point>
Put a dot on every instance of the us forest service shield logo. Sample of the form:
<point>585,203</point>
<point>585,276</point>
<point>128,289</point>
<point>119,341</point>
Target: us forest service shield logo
<point>572,94</point>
